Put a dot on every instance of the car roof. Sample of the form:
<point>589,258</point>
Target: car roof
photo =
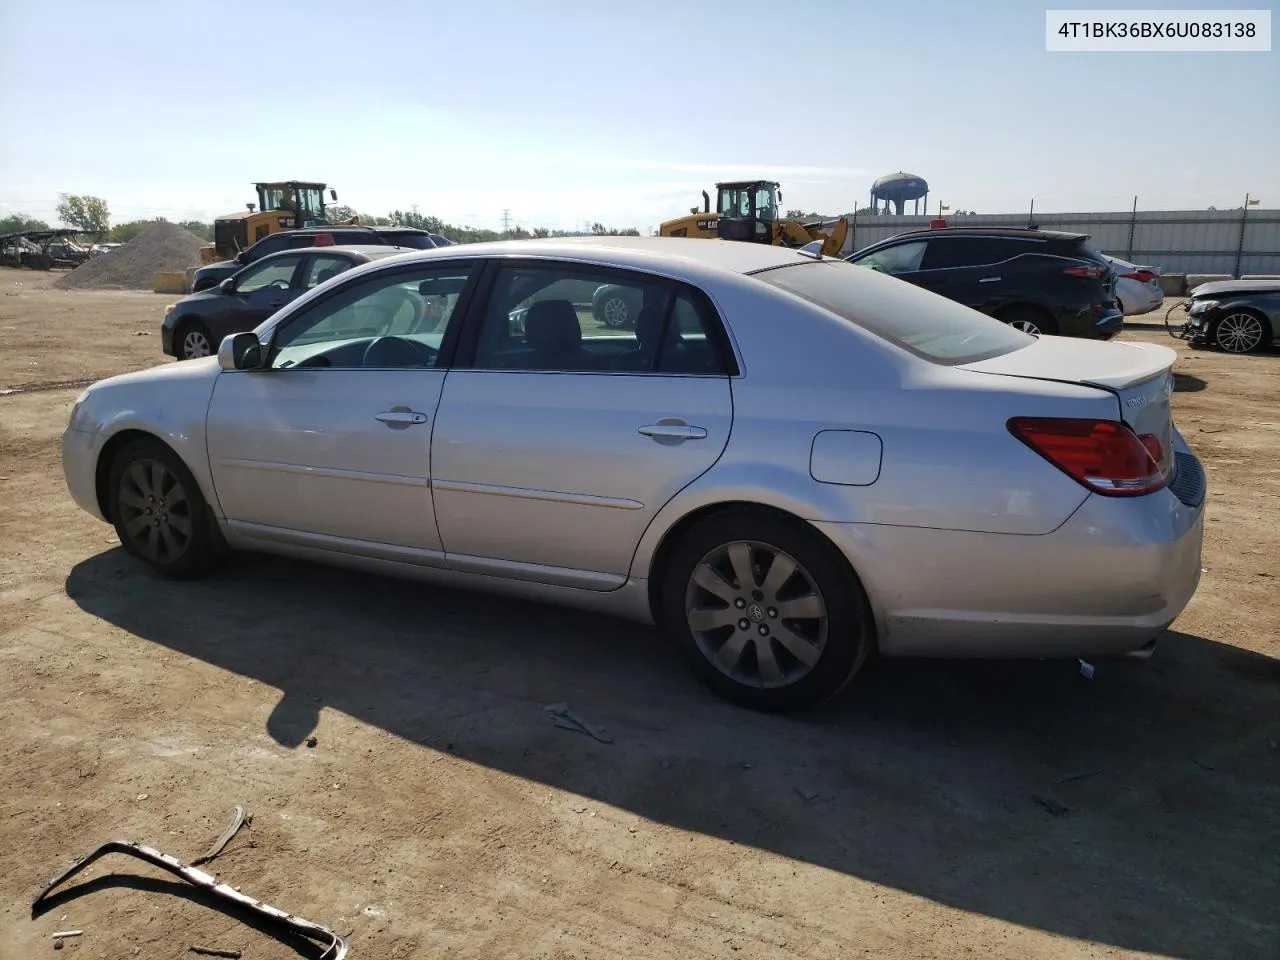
<point>639,253</point>
<point>370,250</point>
<point>1017,233</point>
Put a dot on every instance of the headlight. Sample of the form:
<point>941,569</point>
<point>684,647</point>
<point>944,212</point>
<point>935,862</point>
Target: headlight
<point>75,407</point>
<point>1200,306</point>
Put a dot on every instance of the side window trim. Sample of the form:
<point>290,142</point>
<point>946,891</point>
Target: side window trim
<point>462,309</point>
<point>712,322</point>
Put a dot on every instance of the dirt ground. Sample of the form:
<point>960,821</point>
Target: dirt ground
<point>940,810</point>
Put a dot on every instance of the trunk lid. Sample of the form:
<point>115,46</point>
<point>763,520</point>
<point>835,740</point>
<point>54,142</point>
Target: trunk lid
<point>1139,374</point>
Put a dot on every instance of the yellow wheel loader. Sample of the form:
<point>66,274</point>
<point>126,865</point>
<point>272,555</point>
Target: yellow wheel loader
<point>749,211</point>
<point>282,205</point>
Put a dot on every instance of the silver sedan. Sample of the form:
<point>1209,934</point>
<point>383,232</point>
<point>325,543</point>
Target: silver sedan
<point>786,462</point>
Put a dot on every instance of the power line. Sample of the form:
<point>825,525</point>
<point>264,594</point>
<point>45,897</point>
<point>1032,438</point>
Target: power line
<point>506,220</point>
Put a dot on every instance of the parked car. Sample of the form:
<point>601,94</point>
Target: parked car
<point>791,463</point>
<point>1238,316</point>
<point>1040,281</point>
<point>1137,287</point>
<point>345,235</point>
<point>194,326</point>
<point>439,240</point>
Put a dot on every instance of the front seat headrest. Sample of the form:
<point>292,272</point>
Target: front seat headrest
<point>551,326</point>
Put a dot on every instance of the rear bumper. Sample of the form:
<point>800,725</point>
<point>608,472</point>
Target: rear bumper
<point>1107,582</point>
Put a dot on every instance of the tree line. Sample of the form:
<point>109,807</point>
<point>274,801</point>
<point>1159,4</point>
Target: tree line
<point>92,215</point>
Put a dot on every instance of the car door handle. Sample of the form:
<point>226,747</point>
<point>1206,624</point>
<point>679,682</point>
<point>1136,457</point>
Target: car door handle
<point>407,417</point>
<point>990,280</point>
<point>673,430</point>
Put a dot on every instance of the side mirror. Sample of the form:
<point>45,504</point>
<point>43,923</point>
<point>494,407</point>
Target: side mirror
<point>227,286</point>
<point>240,351</point>
<point>333,195</point>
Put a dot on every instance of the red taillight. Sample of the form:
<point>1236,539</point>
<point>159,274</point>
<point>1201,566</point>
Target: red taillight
<point>1103,455</point>
<point>1142,276</point>
<point>1091,272</point>
<point>937,224</point>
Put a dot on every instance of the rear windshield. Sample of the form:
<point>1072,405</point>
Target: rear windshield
<point>923,323</point>
<point>418,241</point>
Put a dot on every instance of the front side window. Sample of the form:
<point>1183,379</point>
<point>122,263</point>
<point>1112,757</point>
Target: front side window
<point>900,258</point>
<point>917,320</point>
<point>276,273</point>
<point>390,320</point>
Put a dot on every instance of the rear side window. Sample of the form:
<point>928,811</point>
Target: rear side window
<point>971,251</point>
<point>416,241</point>
<point>923,323</point>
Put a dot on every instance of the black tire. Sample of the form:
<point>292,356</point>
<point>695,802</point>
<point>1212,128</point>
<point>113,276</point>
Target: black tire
<point>182,517</point>
<point>1023,316</point>
<point>841,641</point>
<point>195,331</point>
<point>1240,331</point>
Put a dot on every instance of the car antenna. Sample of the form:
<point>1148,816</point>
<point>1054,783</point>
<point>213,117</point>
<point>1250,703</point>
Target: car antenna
<point>812,249</point>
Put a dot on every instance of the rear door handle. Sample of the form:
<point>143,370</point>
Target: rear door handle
<point>397,417</point>
<point>673,430</point>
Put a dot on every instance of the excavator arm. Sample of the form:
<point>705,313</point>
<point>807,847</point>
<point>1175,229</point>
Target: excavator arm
<point>793,233</point>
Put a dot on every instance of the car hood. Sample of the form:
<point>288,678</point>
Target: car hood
<point>198,299</point>
<point>204,368</point>
<point>1219,288</point>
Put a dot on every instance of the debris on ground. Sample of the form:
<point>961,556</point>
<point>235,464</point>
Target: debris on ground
<point>239,817</point>
<point>566,719</point>
<point>312,741</point>
<point>334,947</point>
<point>67,933</point>
<point>1053,806</point>
<point>161,248</point>
<point>215,952</point>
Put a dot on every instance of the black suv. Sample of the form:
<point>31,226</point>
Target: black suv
<point>345,234</point>
<point>1040,281</point>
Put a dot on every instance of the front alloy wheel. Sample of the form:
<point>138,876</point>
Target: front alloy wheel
<point>1238,333</point>
<point>155,512</point>
<point>159,513</point>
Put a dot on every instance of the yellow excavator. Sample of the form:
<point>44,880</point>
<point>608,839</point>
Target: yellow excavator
<point>282,205</point>
<point>750,211</point>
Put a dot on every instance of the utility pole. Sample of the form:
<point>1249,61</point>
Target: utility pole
<point>506,221</point>
<point>1244,221</point>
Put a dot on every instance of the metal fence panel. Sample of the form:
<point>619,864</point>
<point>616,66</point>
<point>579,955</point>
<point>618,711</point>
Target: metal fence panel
<point>1175,241</point>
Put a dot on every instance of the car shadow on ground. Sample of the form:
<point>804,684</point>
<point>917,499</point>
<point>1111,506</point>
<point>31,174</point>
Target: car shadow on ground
<point>1187,383</point>
<point>1020,790</point>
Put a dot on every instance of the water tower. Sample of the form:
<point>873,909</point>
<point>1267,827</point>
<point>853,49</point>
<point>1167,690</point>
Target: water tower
<point>897,189</point>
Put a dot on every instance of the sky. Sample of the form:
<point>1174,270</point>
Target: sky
<point>567,112</point>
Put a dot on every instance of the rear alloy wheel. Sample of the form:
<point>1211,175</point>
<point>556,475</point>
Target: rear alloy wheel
<point>159,513</point>
<point>1028,321</point>
<point>766,611</point>
<point>1240,332</point>
<point>194,341</point>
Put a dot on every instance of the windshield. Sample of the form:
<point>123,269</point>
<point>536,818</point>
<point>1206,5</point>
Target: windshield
<point>930,326</point>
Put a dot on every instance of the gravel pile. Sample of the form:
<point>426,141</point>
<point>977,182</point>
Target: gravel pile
<point>162,248</point>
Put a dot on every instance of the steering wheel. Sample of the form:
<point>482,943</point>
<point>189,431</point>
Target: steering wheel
<point>395,351</point>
